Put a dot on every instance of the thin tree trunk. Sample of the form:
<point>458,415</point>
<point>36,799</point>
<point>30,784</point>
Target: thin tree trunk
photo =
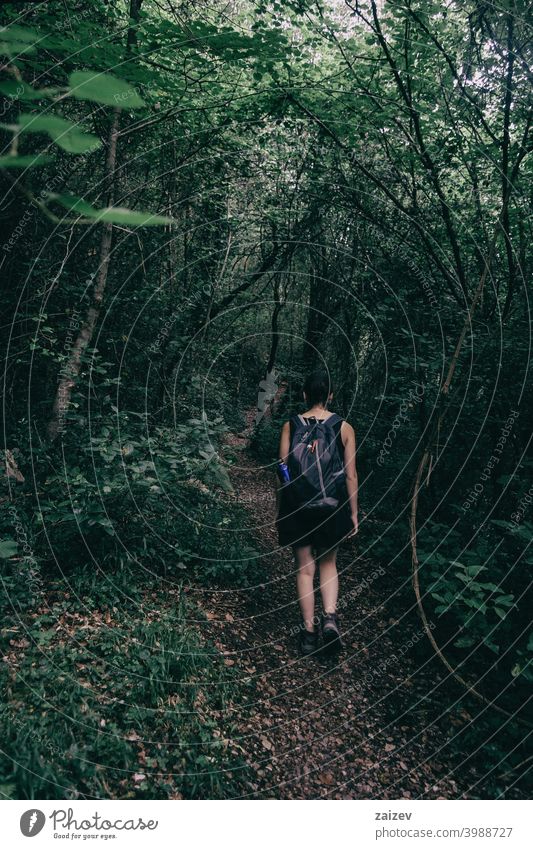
<point>268,387</point>
<point>280,251</point>
<point>317,314</point>
<point>274,328</point>
<point>69,374</point>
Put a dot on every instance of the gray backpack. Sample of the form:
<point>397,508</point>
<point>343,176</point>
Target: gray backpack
<point>316,466</point>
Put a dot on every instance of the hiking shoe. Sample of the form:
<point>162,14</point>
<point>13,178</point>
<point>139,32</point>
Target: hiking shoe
<point>308,642</point>
<point>331,633</point>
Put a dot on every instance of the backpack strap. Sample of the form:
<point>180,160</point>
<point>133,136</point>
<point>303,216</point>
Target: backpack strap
<point>337,425</point>
<point>335,421</point>
<point>294,422</point>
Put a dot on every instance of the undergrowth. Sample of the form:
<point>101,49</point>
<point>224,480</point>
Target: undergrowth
<point>113,693</point>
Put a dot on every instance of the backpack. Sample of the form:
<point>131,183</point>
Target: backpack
<point>316,466</point>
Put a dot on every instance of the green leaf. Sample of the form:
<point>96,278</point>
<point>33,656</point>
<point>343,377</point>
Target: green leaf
<point>491,645</point>
<point>474,571</point>
<point>120,215</point>
<point>505,600</point>
<point>20,91</point>
<point>62,132</point>
<point>76,142</point>
<point>15,48</point>
<point>25,161</point>
<point>8,547</point>
<point>110,214</point>
<point>15,40</point>
<point>462,577</point>
<point>501,524</point>
<point>104,88</point>
<point>44,638</point>
<point>464,642</point>
<point>74,203</point>
<point>17,33</point>
<point>437,597</point>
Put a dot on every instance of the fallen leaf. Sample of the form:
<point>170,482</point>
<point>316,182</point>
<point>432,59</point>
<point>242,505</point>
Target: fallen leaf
<point>132,736</point>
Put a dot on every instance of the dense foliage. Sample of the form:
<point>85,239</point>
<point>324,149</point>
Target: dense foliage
<point>194,196</point>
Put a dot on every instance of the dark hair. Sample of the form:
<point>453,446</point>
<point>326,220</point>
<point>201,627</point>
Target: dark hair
<point>317,387</point>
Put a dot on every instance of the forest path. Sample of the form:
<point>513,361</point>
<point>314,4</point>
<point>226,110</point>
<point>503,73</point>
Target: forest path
<point>367,724</point>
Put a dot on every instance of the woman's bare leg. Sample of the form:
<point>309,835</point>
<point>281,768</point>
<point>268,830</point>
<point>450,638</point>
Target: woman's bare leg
<point>329,580</point>
<point>305,564</point>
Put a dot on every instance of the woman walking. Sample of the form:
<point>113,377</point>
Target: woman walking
<point>317,505</point>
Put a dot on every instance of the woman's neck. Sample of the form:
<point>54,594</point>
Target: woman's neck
<point>319,412</point>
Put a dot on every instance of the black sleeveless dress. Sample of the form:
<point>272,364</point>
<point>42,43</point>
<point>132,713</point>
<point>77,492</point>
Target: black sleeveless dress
<point>321,529</point>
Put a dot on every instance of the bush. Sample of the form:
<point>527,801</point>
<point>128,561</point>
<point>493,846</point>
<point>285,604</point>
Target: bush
<point>264,443</point>
<point>129,494</point>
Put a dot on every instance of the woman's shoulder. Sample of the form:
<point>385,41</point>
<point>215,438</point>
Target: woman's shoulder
<point>346,429</point>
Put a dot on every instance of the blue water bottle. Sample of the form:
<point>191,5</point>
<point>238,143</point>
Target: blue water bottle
<point>283,471</point>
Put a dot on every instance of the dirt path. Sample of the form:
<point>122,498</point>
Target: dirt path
<point>367,725</point>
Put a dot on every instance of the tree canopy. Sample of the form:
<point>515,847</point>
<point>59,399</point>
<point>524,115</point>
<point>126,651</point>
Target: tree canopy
<point>200,203</point>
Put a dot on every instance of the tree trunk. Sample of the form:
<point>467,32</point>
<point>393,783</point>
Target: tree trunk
<point>68,376</point>
<point>268,387</point>
<point>316,316</point>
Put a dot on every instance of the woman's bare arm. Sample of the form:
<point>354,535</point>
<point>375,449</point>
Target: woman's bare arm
<point>283,455</point>
<point>350,470</point>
